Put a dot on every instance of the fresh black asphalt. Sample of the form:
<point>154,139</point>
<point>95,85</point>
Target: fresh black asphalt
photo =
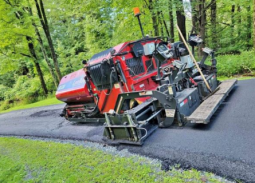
<point>226,146</point>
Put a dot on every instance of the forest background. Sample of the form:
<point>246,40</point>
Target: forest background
<point>41,41</point>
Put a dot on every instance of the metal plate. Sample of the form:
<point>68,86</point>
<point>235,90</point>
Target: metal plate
<point>170,112</point>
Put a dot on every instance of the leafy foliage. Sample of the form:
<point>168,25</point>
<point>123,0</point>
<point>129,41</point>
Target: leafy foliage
<point>79,29</point>
<point>229,65</point>
<point>3,91</point>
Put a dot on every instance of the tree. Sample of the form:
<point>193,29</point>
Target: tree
<point>254,24</point>
<point>199,18</point>
<point>37,65</point>
<point>55,80</point>
<point>233,23</point>
<point>214,24</point>
<point>18,12</point>
<point>181,20</point>
<point>39,39</point>
<point>202,21</point>
<point>249,26</point>
<point>239,21</point>
<point>44,23</point>
<point>163,19</point>
<point>154,17</point>
<point>160,22</point>
<point>194,14</point>
<point>171,19</point>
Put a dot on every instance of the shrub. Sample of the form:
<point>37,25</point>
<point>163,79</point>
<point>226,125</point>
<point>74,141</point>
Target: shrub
<point>6,105</point>
<point>229,65</point>
<point>25,91</point>
<point>3,91</point>
<point>24,88</point>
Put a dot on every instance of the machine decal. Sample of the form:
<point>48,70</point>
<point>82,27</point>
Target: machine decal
<point>183,103</point>
<point>145,93</point>
<point>170,90</point>
<point>141,86</point>
<point>170,112</point>
<point>116,85</point>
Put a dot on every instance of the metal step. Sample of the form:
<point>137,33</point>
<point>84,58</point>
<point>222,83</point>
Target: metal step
<point>205,111</point>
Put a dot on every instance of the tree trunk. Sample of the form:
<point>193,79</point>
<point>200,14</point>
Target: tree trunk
<point>161,24</point>
<point>254,24</point>
<point>163,19</point>
<point>37,65</point>
<point>213,23</point>
<point>239,21</point>
<point>50,67</point>
<point>181,19</point>
<point>232,24</point>
<point>202,23</point>
<point>171,20</point>
<point>249,27</point>
<point>194,10</point>
<point>44,22</point>
<point>202,18</point>
<point>154,18</point>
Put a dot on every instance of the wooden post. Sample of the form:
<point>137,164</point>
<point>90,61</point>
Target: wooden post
<point>194,60</point>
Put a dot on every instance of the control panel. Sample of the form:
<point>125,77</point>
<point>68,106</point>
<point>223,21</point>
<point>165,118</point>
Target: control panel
<point>164,51</point>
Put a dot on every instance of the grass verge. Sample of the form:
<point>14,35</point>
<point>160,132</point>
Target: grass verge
<point>23,160</point>
<point>45,102</point>
<point>222,78</point>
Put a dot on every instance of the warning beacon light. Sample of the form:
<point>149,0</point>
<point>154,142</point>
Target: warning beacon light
<point>137,14</point>
<point>137,11</point>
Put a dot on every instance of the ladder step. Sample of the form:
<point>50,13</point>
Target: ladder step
<point>205,111</point>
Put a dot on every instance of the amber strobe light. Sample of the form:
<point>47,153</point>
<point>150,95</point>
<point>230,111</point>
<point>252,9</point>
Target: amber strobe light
<point>137,14</point>
<point>137,11</point>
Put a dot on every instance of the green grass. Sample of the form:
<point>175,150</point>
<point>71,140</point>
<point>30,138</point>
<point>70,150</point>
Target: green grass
<point>23,160</point>
<point>222,78</point>
<point>45,102</point>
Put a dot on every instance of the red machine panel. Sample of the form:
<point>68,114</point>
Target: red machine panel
<point>137,70</point>
<point>72,89</point>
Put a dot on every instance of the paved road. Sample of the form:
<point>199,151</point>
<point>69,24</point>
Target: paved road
<point>226,146</point>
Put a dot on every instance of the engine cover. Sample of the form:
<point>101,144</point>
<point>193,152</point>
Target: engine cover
<point>72,89</point>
